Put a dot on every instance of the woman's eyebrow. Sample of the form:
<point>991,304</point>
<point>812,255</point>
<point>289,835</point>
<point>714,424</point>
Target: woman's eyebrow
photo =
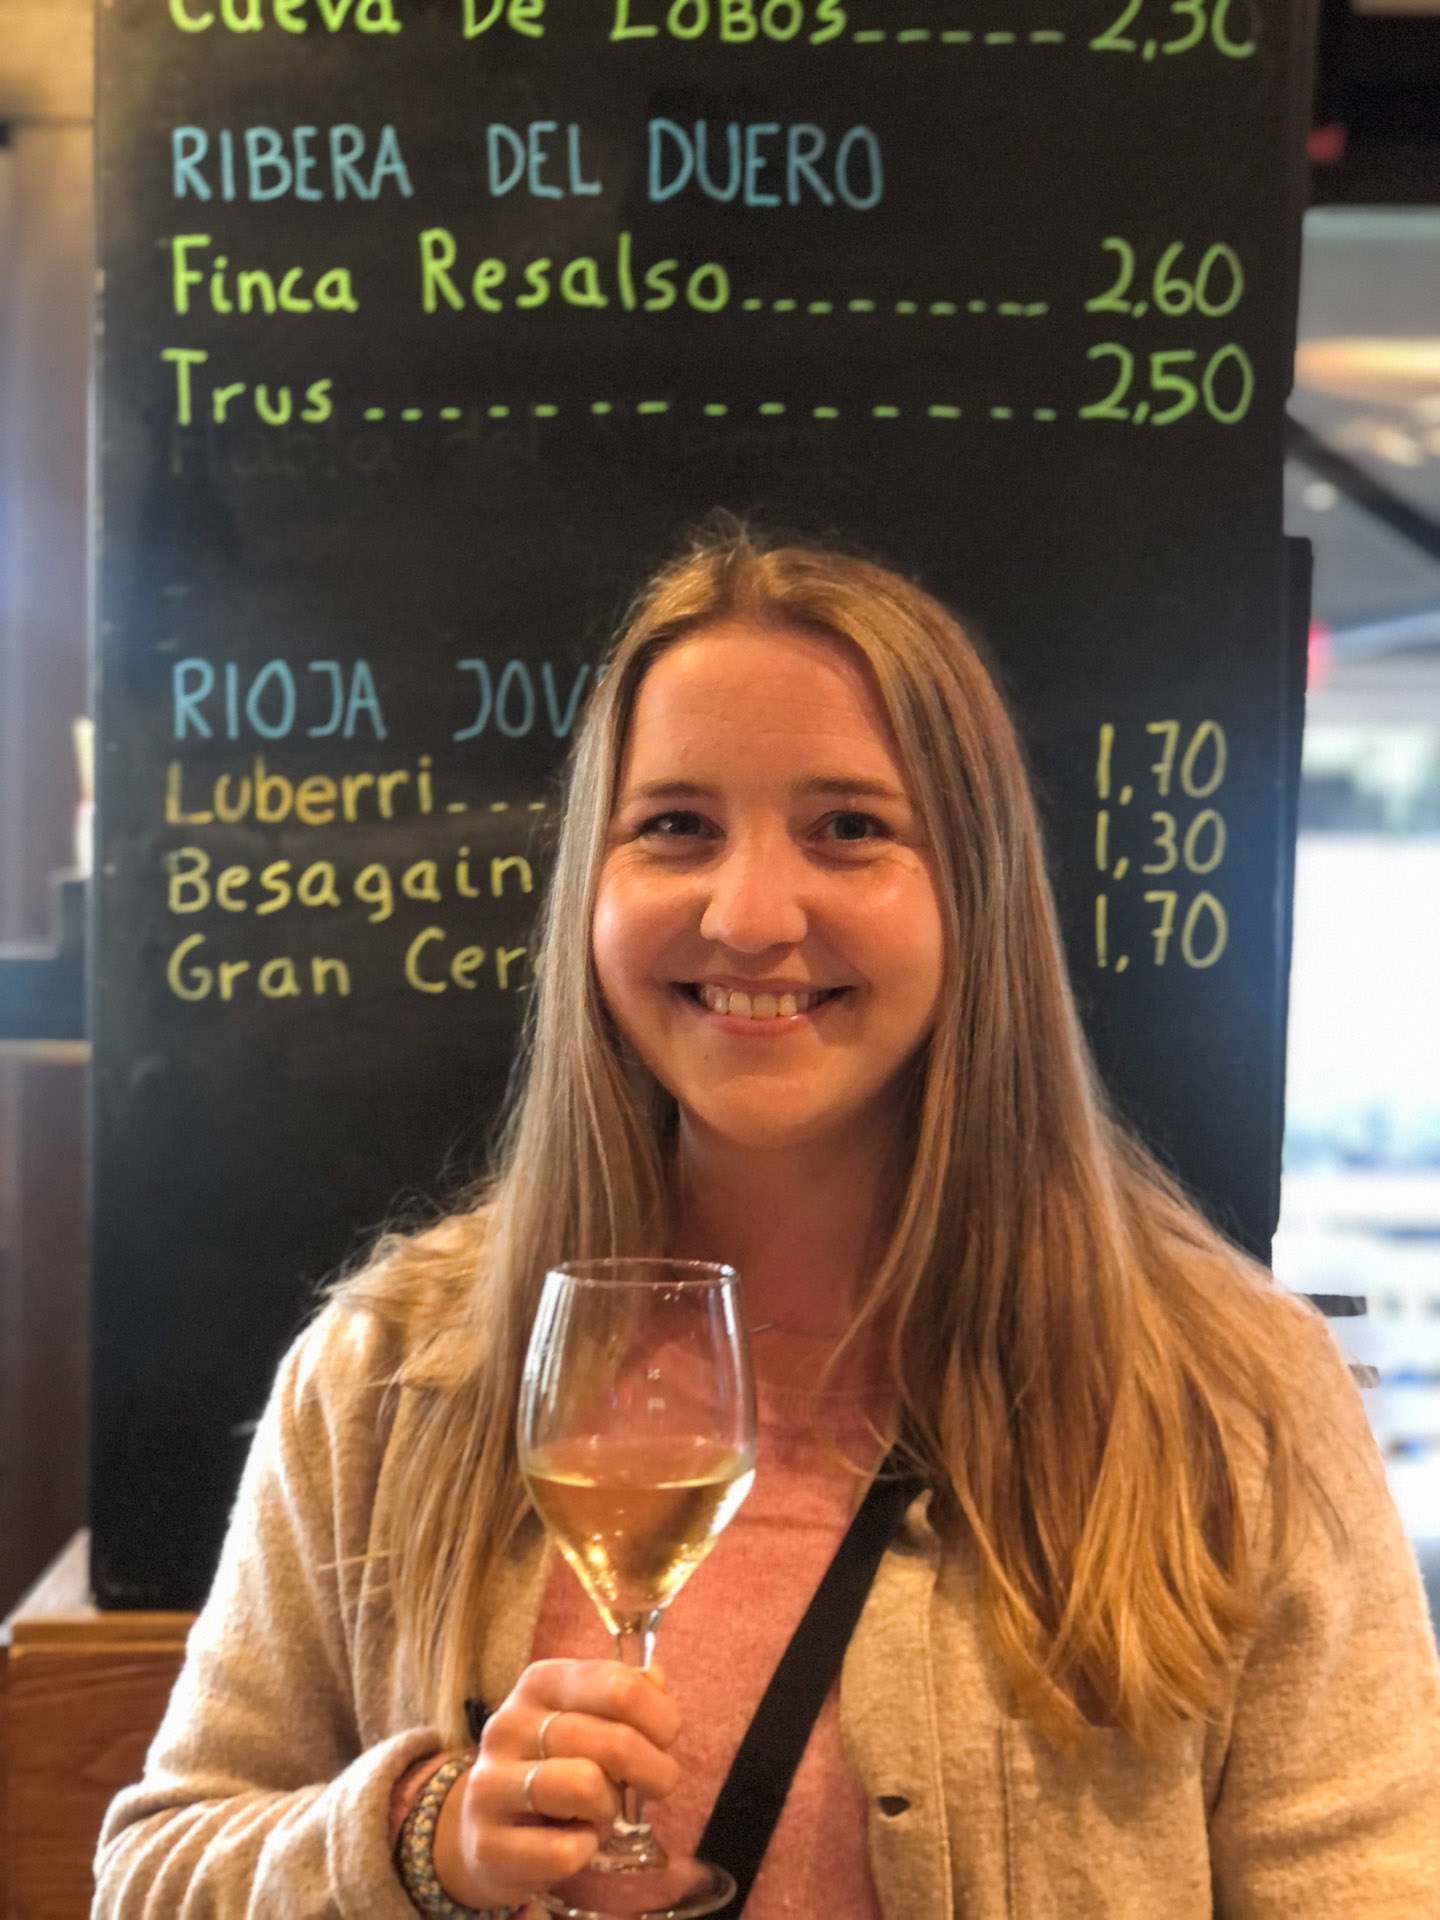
<point>839,786</point>
<point>669,790</point>
<point>833,785</point>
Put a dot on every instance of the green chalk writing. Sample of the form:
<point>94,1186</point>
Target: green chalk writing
<point>290,16</point>
<point>735,22</point>
<point>587,280</point>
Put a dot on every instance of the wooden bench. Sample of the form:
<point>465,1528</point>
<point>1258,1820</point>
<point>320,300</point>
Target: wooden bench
<point>81,1694</point>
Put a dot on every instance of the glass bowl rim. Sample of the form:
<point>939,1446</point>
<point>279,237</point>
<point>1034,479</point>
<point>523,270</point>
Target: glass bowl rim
<point>684,1273</point>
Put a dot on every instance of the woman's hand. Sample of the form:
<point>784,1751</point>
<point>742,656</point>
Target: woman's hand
<point>603,1722</point>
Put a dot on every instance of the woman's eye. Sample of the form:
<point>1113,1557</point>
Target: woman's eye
<point>671,826</point>
<point>856,826</point>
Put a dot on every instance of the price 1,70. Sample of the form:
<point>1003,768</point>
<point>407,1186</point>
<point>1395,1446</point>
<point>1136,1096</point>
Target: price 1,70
<point>1204,930</point>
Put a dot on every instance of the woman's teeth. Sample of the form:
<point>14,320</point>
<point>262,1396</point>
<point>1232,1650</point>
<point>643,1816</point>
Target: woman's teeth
<point>761,1006</point>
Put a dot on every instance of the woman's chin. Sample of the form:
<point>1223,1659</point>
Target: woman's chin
<point>770,1127</point>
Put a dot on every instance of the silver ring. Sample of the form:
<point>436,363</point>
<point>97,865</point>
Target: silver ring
<point>544,1729</point>
<point>530,1806</point>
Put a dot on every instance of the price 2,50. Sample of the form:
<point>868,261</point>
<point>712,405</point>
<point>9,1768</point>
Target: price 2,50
<point>1226,386</point>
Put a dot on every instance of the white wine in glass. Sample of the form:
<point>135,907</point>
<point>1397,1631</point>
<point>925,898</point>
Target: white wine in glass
<point>637,1442</point>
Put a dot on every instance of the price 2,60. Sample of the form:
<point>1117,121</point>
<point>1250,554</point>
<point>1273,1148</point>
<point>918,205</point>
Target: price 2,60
<point>1215,288</point>
<point>1226,386</point>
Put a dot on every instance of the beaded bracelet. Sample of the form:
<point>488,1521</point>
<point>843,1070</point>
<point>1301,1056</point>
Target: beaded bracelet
<point>415,1849</point>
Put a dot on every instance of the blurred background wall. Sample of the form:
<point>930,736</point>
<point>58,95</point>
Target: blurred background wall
<point>46,278</point>
<point>1361,1190</point>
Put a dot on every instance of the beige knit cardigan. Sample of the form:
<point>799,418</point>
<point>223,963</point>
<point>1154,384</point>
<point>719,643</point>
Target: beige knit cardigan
<point>1315,1796</point>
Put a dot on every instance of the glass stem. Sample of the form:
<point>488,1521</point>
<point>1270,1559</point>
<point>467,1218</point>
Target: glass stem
<point>635,1647</point>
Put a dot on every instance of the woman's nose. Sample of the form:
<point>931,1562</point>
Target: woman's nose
<point>755,897</point>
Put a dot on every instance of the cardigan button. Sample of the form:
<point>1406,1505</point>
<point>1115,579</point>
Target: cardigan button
<point>892,1805</point>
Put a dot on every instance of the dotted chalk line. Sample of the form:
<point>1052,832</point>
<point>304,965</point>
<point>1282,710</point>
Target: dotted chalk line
<point>960,37</point>
<point>940,309</point>
<point>496,806</point>
<point>720,410</point>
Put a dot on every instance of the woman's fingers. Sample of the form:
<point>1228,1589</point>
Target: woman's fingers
<point>603,1689</point>
<point>543,1788</point>
<point>490,1851</point>
<point>616,1749</point>
<point>523,1859</point>
<point>576,1789</point>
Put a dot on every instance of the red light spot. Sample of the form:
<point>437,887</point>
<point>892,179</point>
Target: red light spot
<point>1321,655</point>
<point>1325,145</point>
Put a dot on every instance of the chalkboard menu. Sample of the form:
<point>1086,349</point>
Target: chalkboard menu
<point>428,327</point>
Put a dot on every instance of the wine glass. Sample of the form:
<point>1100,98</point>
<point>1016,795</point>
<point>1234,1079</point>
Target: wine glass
<point>637,1442</point>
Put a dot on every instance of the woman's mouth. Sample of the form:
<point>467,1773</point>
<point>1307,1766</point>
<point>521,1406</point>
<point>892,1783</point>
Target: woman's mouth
<point>759,1006</point>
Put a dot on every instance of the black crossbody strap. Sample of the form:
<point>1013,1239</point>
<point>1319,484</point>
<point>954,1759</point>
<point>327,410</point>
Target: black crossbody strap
<point>749,1804</point>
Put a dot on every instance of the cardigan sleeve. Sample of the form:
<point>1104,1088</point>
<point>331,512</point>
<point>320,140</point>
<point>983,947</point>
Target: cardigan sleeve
<point>257,1801</point>
<point>1329,1804</point>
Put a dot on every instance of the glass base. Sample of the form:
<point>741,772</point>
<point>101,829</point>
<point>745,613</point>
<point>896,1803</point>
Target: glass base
<point>679,1891</point>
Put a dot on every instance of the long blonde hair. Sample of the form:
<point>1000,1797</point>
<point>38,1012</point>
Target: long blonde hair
<point>1081,1363</point>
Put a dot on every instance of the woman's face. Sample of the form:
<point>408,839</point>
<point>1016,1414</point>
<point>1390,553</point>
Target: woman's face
<point>768,931</point>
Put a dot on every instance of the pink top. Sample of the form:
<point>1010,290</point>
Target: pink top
<point>721,1640</point>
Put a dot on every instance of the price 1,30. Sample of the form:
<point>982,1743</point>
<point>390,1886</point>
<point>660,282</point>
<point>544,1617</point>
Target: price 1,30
<point>1227,386</point>
<point>1202,849</point>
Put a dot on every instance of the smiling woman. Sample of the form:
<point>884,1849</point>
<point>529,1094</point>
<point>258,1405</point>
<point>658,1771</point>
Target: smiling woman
<point>1149,1641</point>
<point>764,850</point>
